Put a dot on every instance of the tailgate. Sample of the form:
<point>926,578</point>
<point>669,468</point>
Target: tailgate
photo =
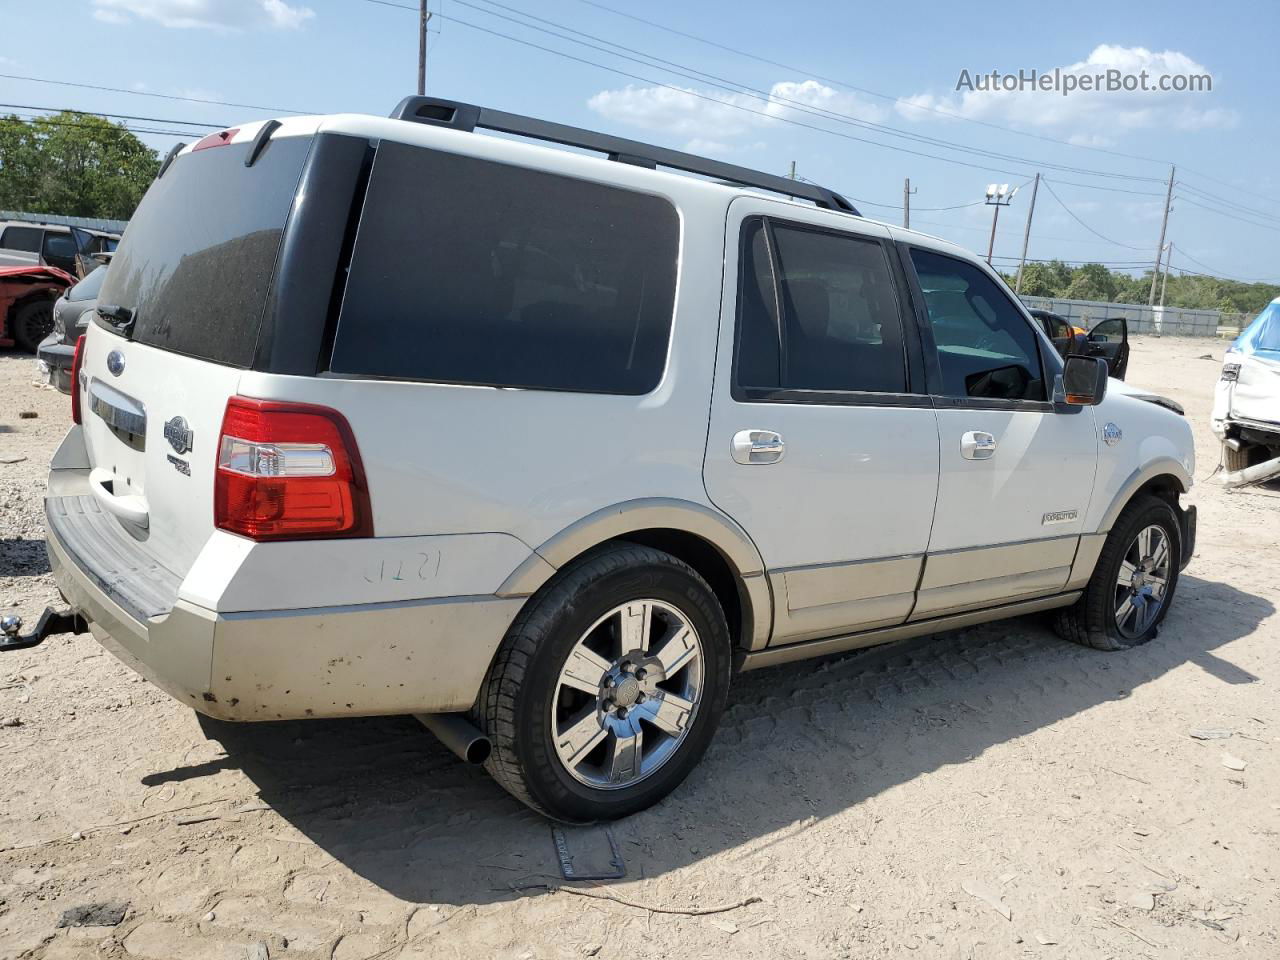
<point>178,321</point>
<point>151,431</point>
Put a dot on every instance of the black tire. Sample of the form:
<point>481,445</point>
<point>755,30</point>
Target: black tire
<point>1091,620</point>
<point>515,704</point>
<point>1247,456</point>
<point>32,323</point>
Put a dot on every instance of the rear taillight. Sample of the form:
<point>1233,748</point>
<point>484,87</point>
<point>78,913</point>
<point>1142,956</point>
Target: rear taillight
<point>75,379</point>
<point>219,139</point>
<point>289,471</point>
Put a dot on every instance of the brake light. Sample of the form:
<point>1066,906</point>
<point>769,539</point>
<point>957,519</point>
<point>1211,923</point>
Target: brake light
<point>219,139</point>
<point>75,379</point>
<point>289,471</point>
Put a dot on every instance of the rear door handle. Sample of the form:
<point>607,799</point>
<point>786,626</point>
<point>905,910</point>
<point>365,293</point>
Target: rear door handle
<point>130,508</point>
<point>758,446</point>
<point>977,445</point>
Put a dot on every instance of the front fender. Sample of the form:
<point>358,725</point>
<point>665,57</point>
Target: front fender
<point>1154,442</point>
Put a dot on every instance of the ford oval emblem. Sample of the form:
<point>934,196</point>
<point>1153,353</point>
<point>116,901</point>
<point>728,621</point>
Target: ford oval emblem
<point>178,434</point>
<point>115,362</point>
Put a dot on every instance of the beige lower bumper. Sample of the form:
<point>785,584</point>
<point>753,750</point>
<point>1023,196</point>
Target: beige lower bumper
<point>427,656</point>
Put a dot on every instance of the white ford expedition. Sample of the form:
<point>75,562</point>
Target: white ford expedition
<point>384,416</point>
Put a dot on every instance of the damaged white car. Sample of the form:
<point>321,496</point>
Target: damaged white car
<point>1246,408</point>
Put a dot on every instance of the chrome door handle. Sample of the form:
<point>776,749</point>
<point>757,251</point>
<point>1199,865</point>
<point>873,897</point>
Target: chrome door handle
<point>977,445</point>
<point>758,446</point>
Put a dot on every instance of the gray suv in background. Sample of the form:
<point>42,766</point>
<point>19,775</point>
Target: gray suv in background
<point>71,315</point>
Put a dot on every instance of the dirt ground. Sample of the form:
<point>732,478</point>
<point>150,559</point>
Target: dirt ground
<point>991,793</point>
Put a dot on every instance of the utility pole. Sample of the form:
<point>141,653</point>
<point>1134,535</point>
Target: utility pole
<point>1164,284</point>
<point>1026,235</point>
<point>792,174</point>
<point>906,203</point>
<point>997,197</point>
<point>1164,225</point>
<point>424,17</point>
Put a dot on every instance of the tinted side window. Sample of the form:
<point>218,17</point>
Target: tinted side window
<point>59,246</point>
<point>21,238</point>
<point>986,348</point>
<point>839,330</point>
<point>470,271</point>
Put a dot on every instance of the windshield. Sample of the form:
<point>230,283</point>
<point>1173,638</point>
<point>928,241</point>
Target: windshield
<point>196,262</point>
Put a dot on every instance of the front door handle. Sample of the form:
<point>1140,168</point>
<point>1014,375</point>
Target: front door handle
<point>977,445</point>
<point>758,446</point>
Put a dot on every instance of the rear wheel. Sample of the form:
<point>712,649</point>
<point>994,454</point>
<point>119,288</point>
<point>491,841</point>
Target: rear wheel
<point>1133,583</point>
<point>1248,455</point>
<point>608,687</point>
<point>32,323</point>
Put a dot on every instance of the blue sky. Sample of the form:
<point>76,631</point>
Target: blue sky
<point>852,68</point>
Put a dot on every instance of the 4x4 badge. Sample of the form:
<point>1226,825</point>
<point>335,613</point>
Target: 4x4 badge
<point>1112,434</point>
<point>178,434</point>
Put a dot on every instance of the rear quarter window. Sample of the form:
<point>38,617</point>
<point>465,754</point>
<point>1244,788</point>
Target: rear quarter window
<point>475,272</point>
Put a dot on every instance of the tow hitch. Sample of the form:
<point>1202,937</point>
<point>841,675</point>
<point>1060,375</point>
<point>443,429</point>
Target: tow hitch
<point>51,622</point>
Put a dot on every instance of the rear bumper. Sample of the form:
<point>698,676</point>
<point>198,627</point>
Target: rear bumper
<point>54,359</point>
<point>413,656</point>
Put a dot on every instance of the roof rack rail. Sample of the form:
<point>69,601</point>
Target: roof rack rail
<point>467,117</point>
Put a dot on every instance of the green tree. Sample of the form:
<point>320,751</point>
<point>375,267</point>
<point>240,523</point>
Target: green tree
<point>1092,281</point>
<point>75,164</point>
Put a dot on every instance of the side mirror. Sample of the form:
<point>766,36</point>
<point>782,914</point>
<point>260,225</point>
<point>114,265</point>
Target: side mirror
<point>1084,380</point>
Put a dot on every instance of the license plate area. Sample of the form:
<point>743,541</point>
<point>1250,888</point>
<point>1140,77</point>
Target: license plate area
<point>124,416</point>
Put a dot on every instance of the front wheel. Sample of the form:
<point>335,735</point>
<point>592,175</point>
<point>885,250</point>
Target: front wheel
<point>1133,583</point>
<point>608,687</point>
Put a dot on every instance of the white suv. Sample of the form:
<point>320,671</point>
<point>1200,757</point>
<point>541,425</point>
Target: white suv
<point>385,416</point>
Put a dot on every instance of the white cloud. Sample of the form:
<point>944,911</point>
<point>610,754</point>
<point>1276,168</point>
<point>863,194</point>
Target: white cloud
<point>1089,117</point>
<point>222,15</point>
<point>714,116</point>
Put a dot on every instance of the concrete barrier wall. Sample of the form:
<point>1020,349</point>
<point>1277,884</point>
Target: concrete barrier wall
<point>1167,321</point>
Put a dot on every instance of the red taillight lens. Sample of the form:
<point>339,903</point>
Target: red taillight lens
<point>289,471</point>
<point>75,379</point>
<point>219,139</point>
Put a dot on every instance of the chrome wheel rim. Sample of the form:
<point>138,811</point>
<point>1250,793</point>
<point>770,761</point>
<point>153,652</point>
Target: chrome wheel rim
<point>1143,582</point>
<point>627,694</point>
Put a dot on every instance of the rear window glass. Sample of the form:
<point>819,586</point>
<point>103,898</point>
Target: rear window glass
<point>21,238</point>
<point>469,271</point>
<point>89,287</point>
<point>195,264</point>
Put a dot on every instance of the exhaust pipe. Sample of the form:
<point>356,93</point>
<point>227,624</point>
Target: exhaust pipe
<point>1255,474</point>
<point>459,734</point>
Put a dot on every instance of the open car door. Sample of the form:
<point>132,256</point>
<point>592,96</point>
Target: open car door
<point>1110,340</point>
<point>86,244</point>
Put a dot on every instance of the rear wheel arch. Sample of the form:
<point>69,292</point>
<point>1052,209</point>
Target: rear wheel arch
<point>713,545</point>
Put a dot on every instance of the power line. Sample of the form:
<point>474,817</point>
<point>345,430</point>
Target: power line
<point>737,87</point>
<point>147,93</point>
<point>93,126</point>
<point>1223,213</point>
<point>873,93</point>
<point>803,108</point>
<point>1217,274</point>
<point>1224,183</point>
<point>120,116</point>
<point>1231,203</point>
<point>1128,264</point>
<point>1073,216</point>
